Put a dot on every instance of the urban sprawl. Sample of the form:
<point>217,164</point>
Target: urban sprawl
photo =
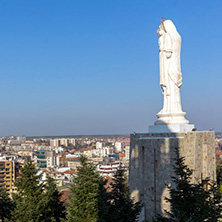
<point>59,157</point>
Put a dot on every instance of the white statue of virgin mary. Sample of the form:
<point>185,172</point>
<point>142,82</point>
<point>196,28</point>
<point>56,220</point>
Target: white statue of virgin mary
<point>170,74</point>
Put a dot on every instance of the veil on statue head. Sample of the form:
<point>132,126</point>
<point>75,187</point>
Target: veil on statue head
<point>168,26</point>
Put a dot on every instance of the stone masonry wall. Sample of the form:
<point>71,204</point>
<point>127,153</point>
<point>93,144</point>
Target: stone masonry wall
<point>151,159</point>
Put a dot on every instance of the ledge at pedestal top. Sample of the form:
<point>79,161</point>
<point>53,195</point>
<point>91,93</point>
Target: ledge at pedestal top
<point>171,128</point>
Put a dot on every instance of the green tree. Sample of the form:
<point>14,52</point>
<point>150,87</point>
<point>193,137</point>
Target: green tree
<point>53,205</point>
<point>105,213</point>
<point>219,174</point>
<point>214,200</point>
<point>191,202</point>
<point>6,205</point>
<point>29,199</point>
<point>123,207</point>
<point>88,198</point>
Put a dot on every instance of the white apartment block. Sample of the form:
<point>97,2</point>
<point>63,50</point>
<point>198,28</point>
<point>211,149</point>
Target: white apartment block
<point>127,152</point>
<point>105,151</point>
<point>88,152</point>
<point>72,141</point>
<point>54,143</point>
<point>96,152</point>
<point>62,142</point>
<point>52,160</point>
<point>118,147</point>
<point>108,169</point>
<point>100,145</point>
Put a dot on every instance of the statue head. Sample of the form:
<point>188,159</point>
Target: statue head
<point>168,26</point>
<point>162,19</point>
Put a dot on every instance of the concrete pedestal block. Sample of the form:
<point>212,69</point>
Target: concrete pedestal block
<point>151,159</point>
<point>171,128</point>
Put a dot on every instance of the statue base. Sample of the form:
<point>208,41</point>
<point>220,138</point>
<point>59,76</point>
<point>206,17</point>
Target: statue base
<point>151,159</point>
<point>171,118</point>
<point>171,122</point>
<point>171,128</point>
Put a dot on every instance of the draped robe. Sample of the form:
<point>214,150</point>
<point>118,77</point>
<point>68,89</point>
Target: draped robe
<point>170,71</point>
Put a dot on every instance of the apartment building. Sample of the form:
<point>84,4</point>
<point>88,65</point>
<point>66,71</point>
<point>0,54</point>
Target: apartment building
<point>46,158</point>
<point>7,174</point>
<point>118,147</point>
<point>62,142</point>
<point>109,169</point>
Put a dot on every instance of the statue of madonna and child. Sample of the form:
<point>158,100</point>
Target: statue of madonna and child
<point>170,74</point>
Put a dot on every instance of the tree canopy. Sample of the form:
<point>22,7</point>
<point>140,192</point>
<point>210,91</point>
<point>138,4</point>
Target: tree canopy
<point>6,205</point>
<point>85,191</point>
<point>191,202</point>
<point>124,208</point>
<point>35,200</point>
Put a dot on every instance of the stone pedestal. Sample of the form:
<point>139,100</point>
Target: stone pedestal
<point>151,159</point>
<point>171,118</point>
<point>171,128</point>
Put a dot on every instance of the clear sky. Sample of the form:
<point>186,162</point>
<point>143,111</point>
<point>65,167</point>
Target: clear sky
<point>91,66</point>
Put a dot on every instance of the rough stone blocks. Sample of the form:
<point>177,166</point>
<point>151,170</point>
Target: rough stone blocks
<point>151,159</point>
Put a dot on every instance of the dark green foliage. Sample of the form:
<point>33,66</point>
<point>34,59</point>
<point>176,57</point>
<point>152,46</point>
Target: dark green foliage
<point>123,207</point>
<point>53,206</point>
<point>6,205</point>
<point>86,195</point>
<point>91,202</point>
<point>191,202</point>
<point>36,201</point>
<point>29,199</point>
<point>214,201</point>
<point>104,203</point>
<point>219,175</point>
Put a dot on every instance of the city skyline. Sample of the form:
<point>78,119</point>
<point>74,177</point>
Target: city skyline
<point>72,68</point>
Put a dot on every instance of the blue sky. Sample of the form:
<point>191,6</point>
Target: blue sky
<point>91,67</point>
